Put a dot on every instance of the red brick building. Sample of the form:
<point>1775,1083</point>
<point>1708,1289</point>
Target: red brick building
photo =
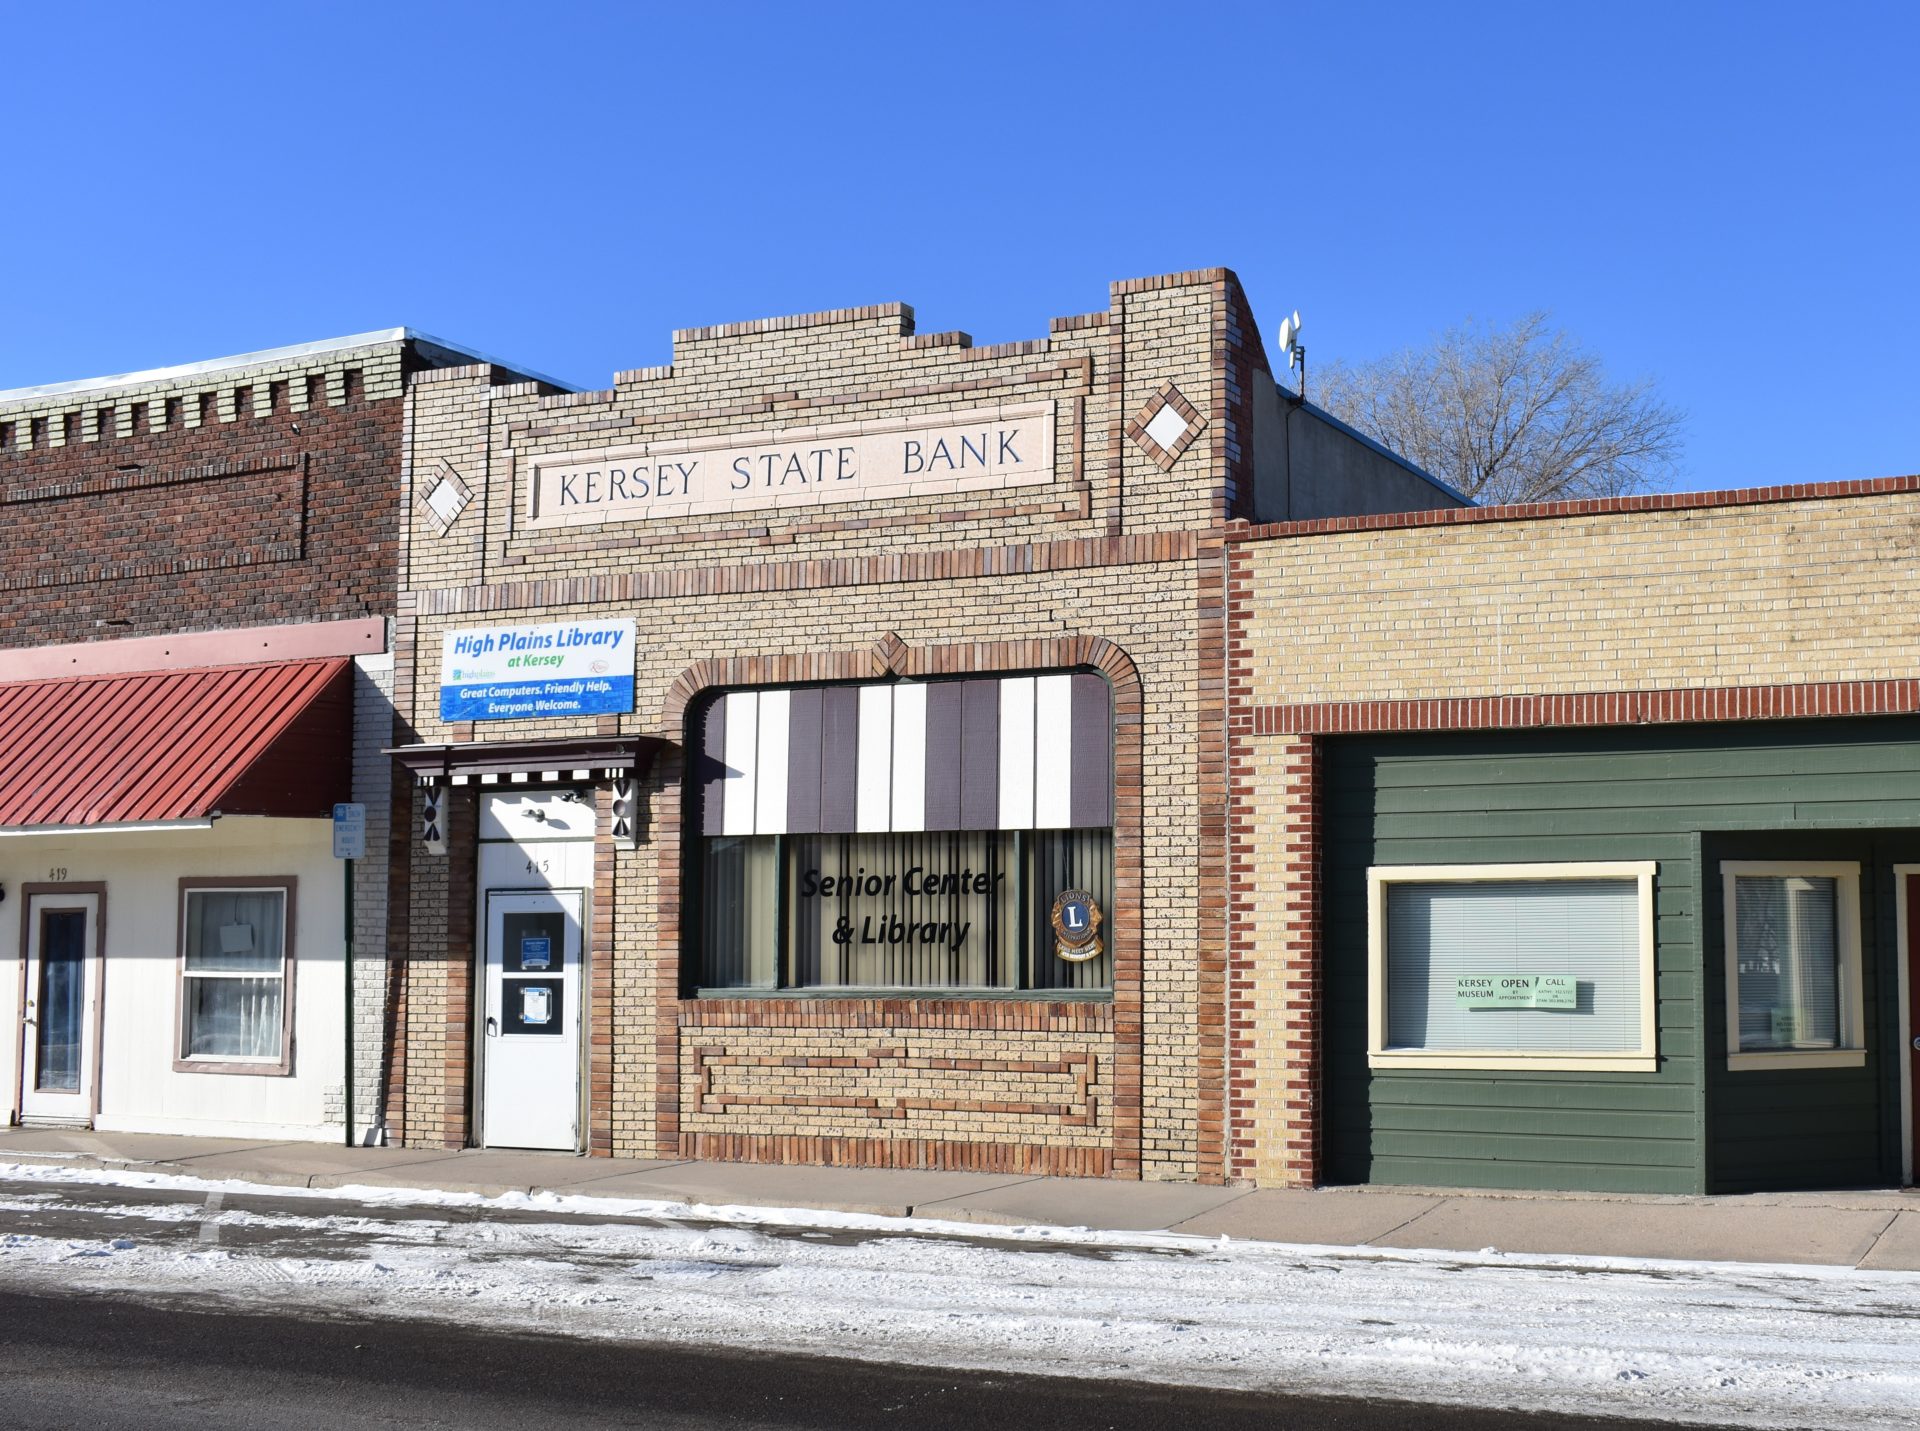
<point>198,569</point>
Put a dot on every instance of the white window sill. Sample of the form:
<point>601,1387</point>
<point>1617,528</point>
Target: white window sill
<point>1800,1058</point>
<point>1516,1061</point>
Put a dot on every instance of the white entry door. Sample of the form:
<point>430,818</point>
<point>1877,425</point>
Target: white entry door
<point>57,1026</point>
<point>530,1088</point>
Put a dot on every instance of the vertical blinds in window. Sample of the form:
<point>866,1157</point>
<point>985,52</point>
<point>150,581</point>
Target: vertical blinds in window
<point>1006,753</point>
<point>1583,929</point>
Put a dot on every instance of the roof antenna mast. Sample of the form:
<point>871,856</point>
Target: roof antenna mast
<point>1296,351</point>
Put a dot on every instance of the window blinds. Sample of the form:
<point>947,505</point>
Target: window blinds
<point>1002,753</point>
<point>1587,930</point>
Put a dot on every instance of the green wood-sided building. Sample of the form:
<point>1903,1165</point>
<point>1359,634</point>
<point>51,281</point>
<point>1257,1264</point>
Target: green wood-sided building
<point>1704,805</point>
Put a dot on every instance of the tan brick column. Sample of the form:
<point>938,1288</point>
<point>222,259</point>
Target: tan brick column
<point>1281,950</point>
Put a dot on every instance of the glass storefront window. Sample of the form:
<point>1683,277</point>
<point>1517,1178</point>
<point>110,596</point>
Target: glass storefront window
<point>949,911</point>
<point>1788,942</point>
<point>739,907</point>
<point>1512,966</point>
<point>1793,964</point>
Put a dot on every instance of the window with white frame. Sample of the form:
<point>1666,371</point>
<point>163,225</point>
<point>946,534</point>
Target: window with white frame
<point>1793,964</point>
<point>235,1000</point>
<point>1512,966</point>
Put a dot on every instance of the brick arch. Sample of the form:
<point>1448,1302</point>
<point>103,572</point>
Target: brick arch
<point>890,656</point>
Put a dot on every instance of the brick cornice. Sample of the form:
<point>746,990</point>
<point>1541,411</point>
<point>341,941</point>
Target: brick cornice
<point>748,578</point>
<point>1596,507</point>
<point>901,313</point>
<point>1186,279</point>
<point>1592,708</point>
<point>785,406</point>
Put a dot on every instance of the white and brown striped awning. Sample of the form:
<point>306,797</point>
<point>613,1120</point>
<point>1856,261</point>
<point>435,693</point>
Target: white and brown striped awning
<point>1006,753</point>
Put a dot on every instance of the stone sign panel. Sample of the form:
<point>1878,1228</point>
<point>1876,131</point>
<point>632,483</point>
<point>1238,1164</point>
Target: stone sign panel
<point>924,455</point>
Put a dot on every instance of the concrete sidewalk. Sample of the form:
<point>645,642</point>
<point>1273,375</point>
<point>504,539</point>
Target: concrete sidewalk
<point>1873,1229</point>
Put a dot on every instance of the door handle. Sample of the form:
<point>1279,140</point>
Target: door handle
<point>493,1027</point>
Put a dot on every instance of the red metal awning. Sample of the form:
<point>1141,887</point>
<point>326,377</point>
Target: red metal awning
<point>271,739</point>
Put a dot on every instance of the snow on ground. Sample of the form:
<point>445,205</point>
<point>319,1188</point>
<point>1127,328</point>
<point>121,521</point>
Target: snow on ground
<point>1729,1344</point>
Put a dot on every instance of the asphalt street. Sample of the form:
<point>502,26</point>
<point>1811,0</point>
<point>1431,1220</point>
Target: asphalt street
<point>113,1365</point>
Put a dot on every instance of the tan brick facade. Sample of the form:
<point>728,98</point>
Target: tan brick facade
<point>1698,607</point>
<point>1740,593</point>
<point>1102,567</point>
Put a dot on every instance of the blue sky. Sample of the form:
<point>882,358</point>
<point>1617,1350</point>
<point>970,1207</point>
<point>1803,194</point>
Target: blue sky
<point>1721,197</point>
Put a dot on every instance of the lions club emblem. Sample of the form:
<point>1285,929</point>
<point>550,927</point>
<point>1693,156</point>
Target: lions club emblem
<point>1076,926</point>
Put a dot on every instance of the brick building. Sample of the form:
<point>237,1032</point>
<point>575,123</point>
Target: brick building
<point>843,745</point>
<point>198,570</point>
<point>922,639</point>
<point>1654,763</point>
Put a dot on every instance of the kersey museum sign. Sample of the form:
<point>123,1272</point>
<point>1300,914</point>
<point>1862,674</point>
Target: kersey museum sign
<point>926,454</point>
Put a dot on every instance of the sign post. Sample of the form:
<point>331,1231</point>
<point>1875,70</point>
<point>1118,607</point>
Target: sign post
<point>349,844</point>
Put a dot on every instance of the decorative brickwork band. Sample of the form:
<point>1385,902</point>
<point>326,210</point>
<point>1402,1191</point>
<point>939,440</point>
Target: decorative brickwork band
<point>760,578</point>
<point>1590,507</point>
<point>1240,913</point>
<point>1659,707</point>
<point>1034,1159</point>
<point>1072,1077</point>
<point>920,1014</point>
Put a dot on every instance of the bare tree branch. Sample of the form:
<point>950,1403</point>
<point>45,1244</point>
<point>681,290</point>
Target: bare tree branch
<point>1515,414</point>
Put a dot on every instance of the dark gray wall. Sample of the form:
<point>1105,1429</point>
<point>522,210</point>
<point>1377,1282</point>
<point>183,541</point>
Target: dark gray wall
<point>1307,464</point>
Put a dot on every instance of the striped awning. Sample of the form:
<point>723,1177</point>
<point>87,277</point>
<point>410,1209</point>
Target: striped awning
<point>1006,753</point>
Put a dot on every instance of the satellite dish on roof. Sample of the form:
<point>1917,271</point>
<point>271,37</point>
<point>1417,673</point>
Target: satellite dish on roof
<point>1296,353</point>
